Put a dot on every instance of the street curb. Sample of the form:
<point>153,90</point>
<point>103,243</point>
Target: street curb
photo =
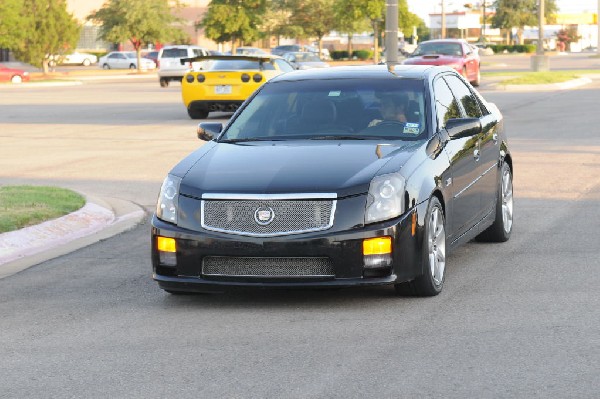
<point>97,220</point>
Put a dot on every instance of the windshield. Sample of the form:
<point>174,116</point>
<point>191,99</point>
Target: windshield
<point>174,53</point>
<point>358,109</point>
<point>439,49</point>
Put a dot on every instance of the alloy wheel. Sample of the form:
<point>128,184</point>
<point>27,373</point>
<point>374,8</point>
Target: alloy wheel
<point>507,200</point>
<point>437,246</point>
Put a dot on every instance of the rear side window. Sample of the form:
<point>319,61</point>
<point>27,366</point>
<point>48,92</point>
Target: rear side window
<point>446,106</point>
<point>464,95</point>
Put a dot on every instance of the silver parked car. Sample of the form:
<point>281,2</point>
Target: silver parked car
<point>124,60</point>
<point>305,60</point>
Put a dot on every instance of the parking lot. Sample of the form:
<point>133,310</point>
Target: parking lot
<point>518,319</point>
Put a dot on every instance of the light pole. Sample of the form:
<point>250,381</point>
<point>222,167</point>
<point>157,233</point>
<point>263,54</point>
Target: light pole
<point>483,25</point>
<point>540,61</point>
<point>443,33</point>
<point>391,32</point>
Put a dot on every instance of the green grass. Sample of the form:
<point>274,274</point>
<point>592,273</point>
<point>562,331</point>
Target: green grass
<point>22,206</point>
<point>547,77</point>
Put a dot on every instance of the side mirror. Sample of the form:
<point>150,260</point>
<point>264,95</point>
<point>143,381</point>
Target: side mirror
<point>463,127</point>
<point>208,130</point>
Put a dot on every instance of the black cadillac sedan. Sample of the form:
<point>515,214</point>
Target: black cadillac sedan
<point>337,177</point>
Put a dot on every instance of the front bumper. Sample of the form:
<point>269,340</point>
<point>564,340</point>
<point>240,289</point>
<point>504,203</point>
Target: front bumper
<point>343,248</point>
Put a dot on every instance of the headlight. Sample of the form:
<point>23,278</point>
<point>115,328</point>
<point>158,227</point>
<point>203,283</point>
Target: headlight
<point>168,199</point>
<point>385,199</point>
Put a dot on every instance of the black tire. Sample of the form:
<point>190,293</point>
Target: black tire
<point>477,81</point>
<point>501,229</point>
<point>431,282</point>
<point>86,62</point>
<point>163,82</point>
<point>197,113</point>
<point>132,66</point>
<point>105,66</point>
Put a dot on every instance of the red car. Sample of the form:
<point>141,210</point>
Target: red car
<point>13,75</point>
<point>454,53</point>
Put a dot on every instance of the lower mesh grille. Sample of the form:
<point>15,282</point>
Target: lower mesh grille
<point>267,267</point>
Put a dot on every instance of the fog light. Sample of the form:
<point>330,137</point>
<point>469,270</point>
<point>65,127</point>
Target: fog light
<point>167,251</point>
<point>377,261</point>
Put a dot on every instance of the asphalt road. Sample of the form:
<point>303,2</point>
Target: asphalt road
<point>519,319</point>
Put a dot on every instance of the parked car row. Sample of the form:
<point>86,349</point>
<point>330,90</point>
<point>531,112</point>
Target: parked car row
<point>124,60</point>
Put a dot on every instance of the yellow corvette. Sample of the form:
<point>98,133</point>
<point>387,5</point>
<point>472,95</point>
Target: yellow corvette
<point>223,83</point>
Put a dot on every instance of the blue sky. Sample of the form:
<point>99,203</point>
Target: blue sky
<point>423,7</point>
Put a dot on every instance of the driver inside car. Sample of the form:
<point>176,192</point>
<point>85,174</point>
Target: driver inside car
<point>392,108</point>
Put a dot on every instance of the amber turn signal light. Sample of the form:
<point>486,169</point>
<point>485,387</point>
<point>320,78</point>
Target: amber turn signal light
<point>377,246</point>
<point>165,244</point>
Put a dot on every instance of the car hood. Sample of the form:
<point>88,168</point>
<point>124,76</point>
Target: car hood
<point>432,59</point>
<point>341,167</point>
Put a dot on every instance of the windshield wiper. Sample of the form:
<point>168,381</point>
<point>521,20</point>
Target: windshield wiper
<point>247,139</point>
<point>332,137</point>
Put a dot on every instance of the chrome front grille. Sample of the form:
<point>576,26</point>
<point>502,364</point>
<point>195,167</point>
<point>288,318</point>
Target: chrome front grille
<point>266,267</point>
<point>266,216</point>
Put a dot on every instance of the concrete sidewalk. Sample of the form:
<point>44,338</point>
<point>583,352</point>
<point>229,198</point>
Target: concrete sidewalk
<point>99,219</point>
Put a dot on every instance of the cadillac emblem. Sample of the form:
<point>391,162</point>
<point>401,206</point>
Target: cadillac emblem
<point>264,215</point>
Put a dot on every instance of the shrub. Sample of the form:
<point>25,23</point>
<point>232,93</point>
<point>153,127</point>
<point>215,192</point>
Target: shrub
<point>339,54</point>
<point>362,54</point>
<point>519,48</point>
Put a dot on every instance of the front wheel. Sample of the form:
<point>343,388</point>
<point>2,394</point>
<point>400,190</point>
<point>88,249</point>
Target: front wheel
<point>105,66</point>
<point>431,282</point>
<point>132,66</point>
<point>500,230</point>
<point>86,62</point>
<point>163,82</point>
<point>16,79</point>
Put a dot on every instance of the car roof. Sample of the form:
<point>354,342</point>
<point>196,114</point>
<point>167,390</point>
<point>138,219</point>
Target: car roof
<point>445,41</point>
<point>421,72</point>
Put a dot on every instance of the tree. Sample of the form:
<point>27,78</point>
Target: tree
<point>350,19</point>
<point>276,20</point>
<point>520,13</point>
<point>233,20</point>
<point>407,20</point>
<point>35,30</point>
<point>12,24</point>
<point>141,22</point>
<point>565,37</point>
<point>316,17</point>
